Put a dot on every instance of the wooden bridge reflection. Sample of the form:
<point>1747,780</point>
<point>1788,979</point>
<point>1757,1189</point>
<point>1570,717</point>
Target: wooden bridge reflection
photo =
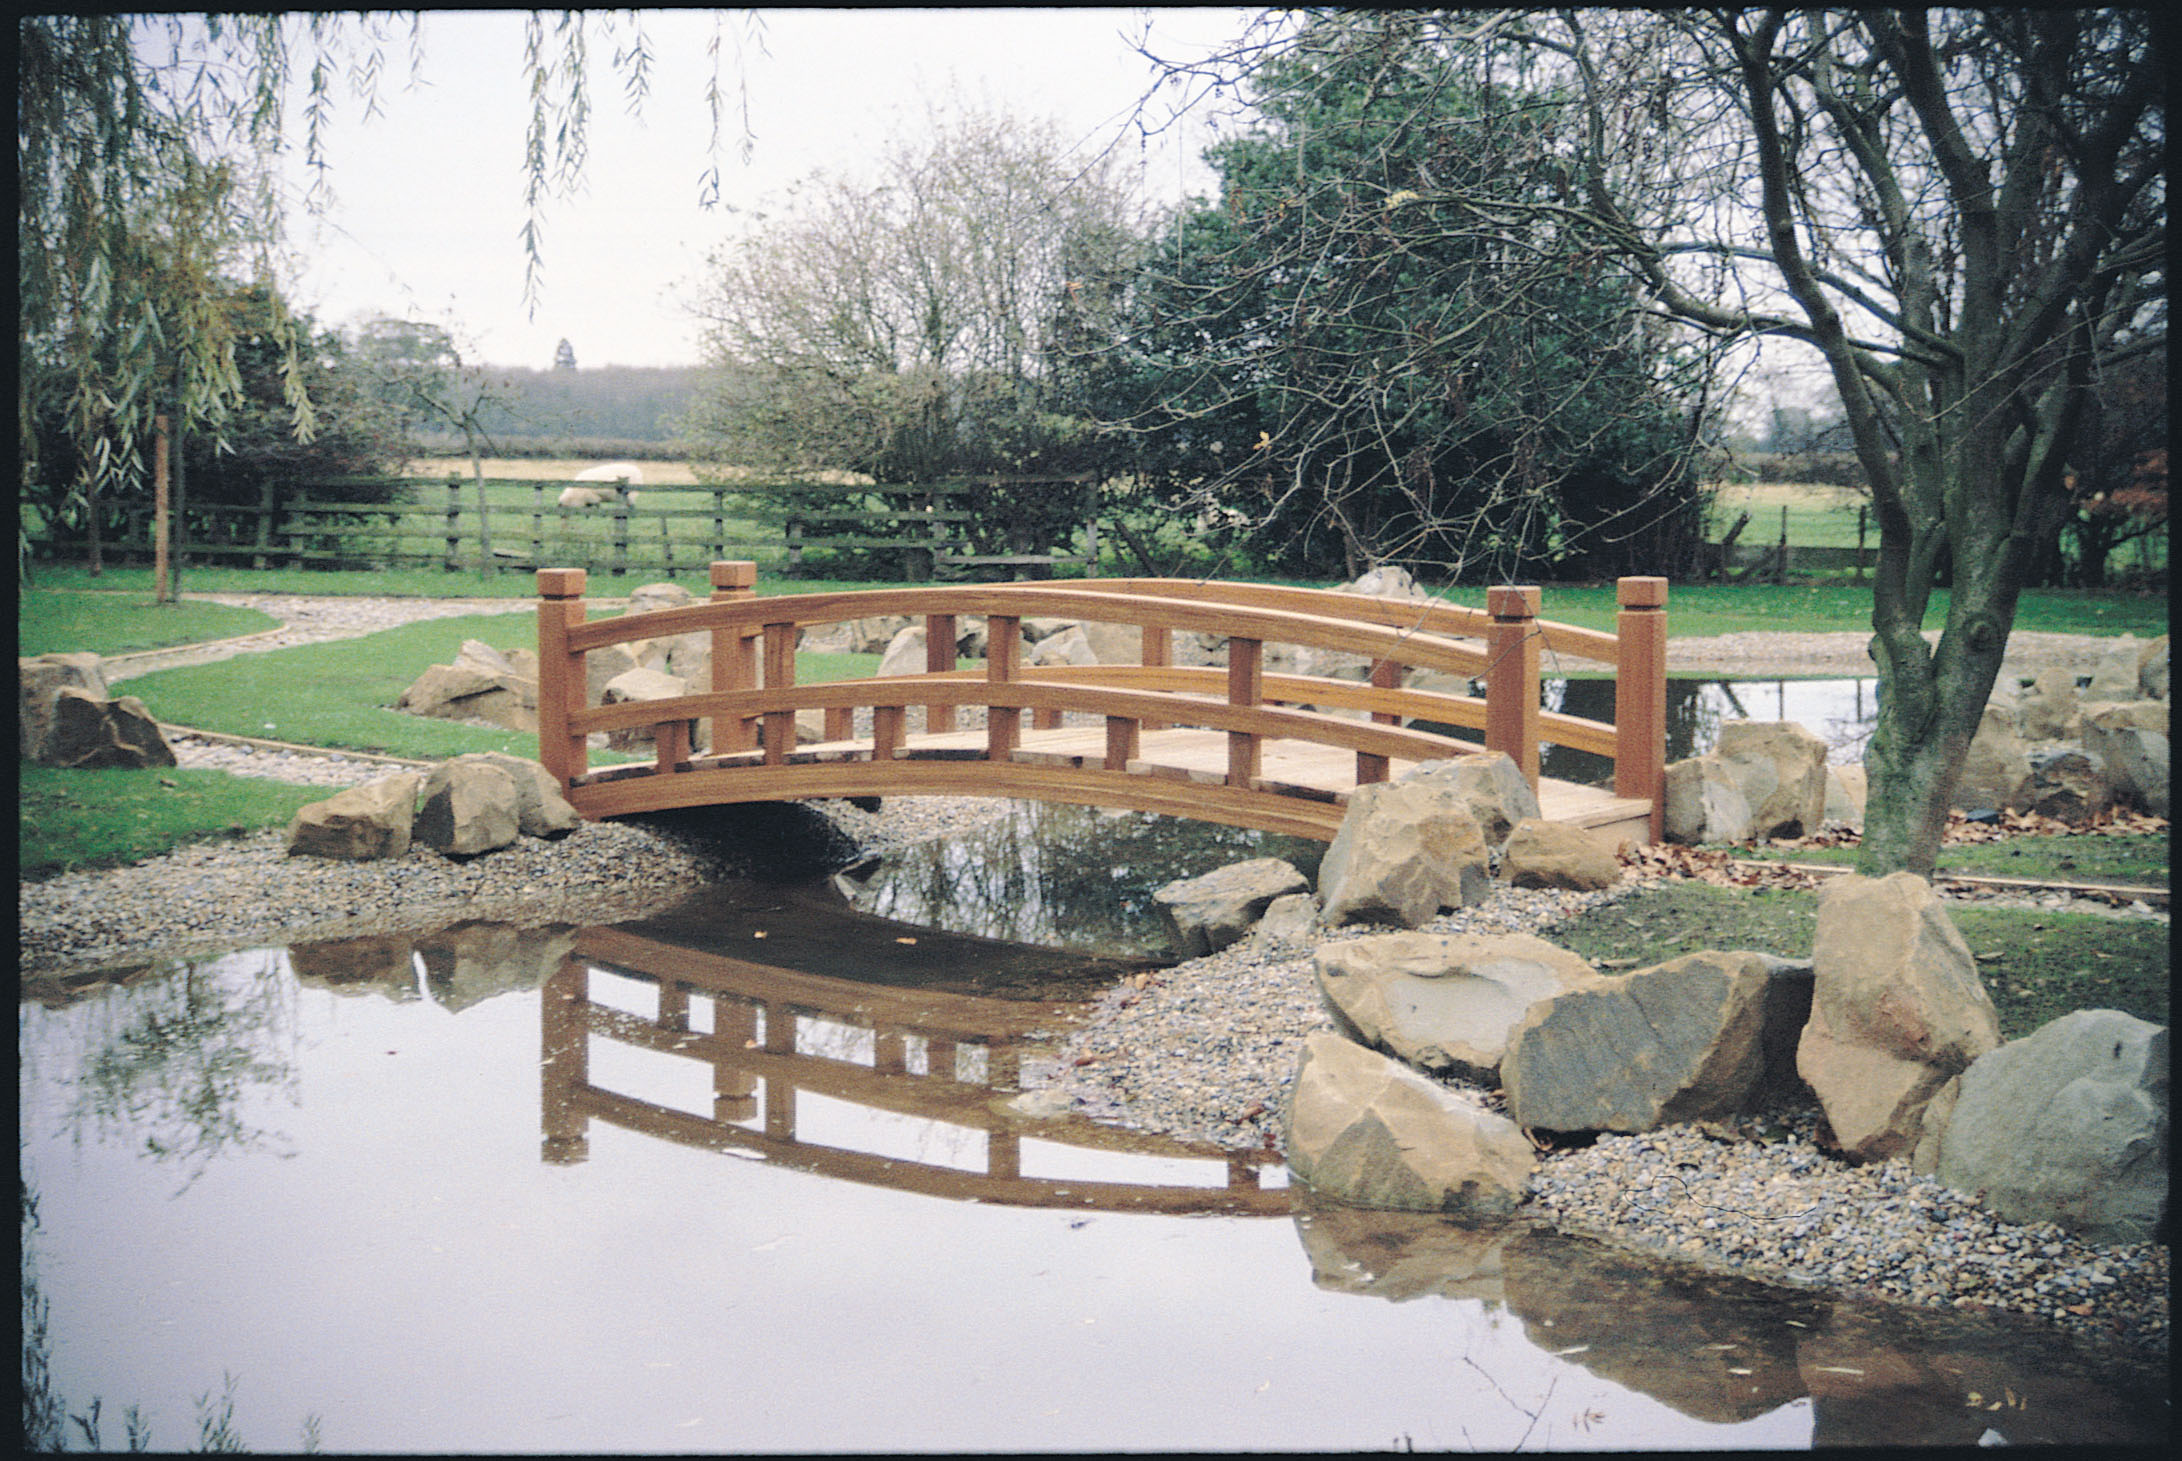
<point>945,1059</point>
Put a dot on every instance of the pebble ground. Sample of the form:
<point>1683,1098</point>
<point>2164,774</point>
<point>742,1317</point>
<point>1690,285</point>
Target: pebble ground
<point>1204,1051</point>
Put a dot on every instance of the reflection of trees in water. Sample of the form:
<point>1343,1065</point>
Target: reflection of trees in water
<point>1066,875</point>
<point>181,1058</point>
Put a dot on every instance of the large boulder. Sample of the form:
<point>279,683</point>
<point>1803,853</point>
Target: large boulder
<point>1704,802</point>
<point>1405,850</point>
<point>1701,1037</point>
<point>2050,709</point>
<point>1845,790</point>
<point>1216,909</point>
<point>1897,1010</point>
<point>1996,769</point>
<point>2117,674</point>
<point>2067,784</point>
<point>688,657</point>
<point>2130,740</point>
<point>1445,1003</point>
<point>41,678</point>
<point>481,684</point>
<point>904,654</point>
<point>86,730</point>
<point>1067,647</point>
<point>2152,670</point>
<point>2067,1125</point>
<point>1371,1132</point>
<point>1543,854</point>
<point>540,808</point>
<point>1780,769</point>
<point>470,807</point>
<point>1490,785</point>
<point>361,823</point>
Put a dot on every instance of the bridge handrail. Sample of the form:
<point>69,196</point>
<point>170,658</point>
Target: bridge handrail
<point>754,641</point>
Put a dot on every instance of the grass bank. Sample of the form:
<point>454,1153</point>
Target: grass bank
<point>111,817</point>
<point>124,623</point>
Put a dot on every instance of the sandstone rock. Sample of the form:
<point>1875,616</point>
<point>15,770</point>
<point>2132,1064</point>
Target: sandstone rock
<point>1115,644</point>
<point>1069,647</point>
<point>380,964</point>
<point>1490,785</point>
<point>1780,769</point>
<point>1543,854</point>
<point>1445,1003</point>
<point>2049,711</point>
<point>1212,911</point>
<point>1405,851</point>
<point>2116,675</point>
<point>602,666</point>
<point>1704,803</point>
<point>685,656</point>
<point>2130,741</point>
<point>39,679</point>
<point>1386,583</point>
<point>904,653</point>
<point>1996,769</point>
<point>641,684</point>
<point>1289,919</point>
<point>481,684</point>
<point>1686,1040</point>
<point>1845,790</point>
<point>1398,1256</point>
<point>87,730</point>
<point>360,823</point>
<point>1368,1131</point>
<point>1896,1010</point>
<point>2067,784</point>
<point>650,597</point>
<point>469,808</point>
<point>468,963</point>
<point>2067,1125</point>
<point>540,809</point>
<point>2152,670</point>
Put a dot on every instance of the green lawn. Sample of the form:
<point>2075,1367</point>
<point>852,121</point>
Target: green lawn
<point>2132,860</point>
<point>50,621</point>
<point>109,817</point>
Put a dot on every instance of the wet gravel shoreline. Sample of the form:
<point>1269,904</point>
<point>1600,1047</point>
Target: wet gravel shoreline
<point>1203,1051</point>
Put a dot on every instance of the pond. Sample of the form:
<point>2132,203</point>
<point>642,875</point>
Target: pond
<point>1839,712</point>
<point>742,1177</point>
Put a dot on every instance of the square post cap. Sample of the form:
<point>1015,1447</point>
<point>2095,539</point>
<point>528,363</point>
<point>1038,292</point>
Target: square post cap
<point>734,573</point>
<point>560,583</point>
<point>1641,593</point>
<point>1509,602</point>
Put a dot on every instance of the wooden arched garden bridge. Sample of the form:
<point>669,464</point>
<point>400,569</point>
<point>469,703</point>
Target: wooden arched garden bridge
<point>1246,743</point>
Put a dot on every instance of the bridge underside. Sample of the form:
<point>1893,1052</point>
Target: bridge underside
<point>1302,789</point>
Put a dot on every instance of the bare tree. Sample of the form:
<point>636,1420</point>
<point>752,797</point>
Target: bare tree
<point>1962,212</point>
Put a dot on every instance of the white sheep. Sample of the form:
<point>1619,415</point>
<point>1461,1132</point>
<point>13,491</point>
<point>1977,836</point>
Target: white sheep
<point>624,473</point>
<point>581,497</point>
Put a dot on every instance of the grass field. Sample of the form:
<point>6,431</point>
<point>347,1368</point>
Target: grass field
<point>112,623</point>
<point>1818,516</point>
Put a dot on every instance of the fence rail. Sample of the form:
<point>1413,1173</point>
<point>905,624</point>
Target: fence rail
<point>670,528</point>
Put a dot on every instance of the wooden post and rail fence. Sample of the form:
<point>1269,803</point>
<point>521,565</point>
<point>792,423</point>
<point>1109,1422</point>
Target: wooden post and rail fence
<point>1252,742</point>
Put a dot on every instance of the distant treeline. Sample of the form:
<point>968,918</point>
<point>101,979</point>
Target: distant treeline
<point>624,403</point>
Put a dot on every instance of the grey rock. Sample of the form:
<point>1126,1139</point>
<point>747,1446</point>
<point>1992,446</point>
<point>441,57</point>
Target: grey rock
<point>1845,790</point>
<point>1996,769</point>
<point>1445,1003</point>
<point>1289,919</point>
<point>1686,1040</point>
<point>42,677</point>
<point>1370,1132</point>
<point>1780,769</point>
<point>641,684</point>
<point>1216,909</point>
<point>540,809</point>
<point>1705,804</point>
<point>87,730</point>
<point>2050,710</point>
<point>2068,784</point>
<point>2130,740</point>
<point>2067,1125</point>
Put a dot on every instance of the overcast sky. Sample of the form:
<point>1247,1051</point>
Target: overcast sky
<point>428,196</point>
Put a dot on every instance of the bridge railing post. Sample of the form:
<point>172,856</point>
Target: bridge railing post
<point>734,652</point>
<point>1640,695</point>
<point>1511,677</point>
<point>780,674</point>
<point>560,674</point>
<point>1158,655</point>
<point>1386,674</point>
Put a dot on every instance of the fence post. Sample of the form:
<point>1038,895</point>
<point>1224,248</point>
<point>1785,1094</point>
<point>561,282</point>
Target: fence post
<point>537,522</point>
<point>160,515</point>
<point>454,523</point>
<point>560,674</point>
<point>267,508</point>
<point>719,522</point>
<point>621,535</point>
<point>734,654</point>
<point>1511,677</point>
<point>1640,695</point>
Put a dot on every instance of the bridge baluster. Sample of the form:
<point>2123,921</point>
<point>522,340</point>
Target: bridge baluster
<point>1246,688</point>
<point>1003,657</point>
<point>780,674</point>
<point>887,731</point>
<point>1386,674</point>
<point>1158,655</point>
<point>939,658</point>
<point>1124,742</point>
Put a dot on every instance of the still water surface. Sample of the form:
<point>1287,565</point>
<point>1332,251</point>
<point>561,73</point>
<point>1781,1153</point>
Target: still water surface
<point>644,1189</point>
